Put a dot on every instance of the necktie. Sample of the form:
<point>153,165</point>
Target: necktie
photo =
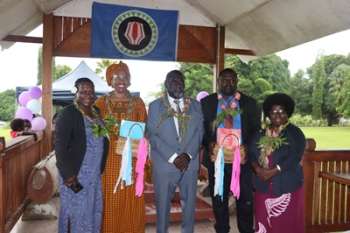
<point>178,109</point>
<point>179,119</point>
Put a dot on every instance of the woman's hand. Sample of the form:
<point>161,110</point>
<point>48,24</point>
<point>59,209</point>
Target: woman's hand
<point>264,174</point>
<point>69,181</point>
<point>73,184</point>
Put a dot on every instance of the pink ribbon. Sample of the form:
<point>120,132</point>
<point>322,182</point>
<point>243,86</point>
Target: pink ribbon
<point>142,153</point>
<point>236,170</point>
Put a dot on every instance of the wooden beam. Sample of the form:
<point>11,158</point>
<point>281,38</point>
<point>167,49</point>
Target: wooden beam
<point>246,52</point>
<point>220,54</point>
<point>47,80</point>
<point>25,39</point>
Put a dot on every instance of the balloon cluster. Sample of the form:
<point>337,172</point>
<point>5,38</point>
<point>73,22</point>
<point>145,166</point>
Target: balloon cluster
<point>30,107</point>
<point>201,95</point>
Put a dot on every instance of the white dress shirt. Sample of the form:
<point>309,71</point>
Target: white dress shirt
<point>174,106</point>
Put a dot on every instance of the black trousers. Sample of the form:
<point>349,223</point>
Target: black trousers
<point>244,204</point>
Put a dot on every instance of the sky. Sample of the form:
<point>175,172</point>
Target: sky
<point>19,63</point>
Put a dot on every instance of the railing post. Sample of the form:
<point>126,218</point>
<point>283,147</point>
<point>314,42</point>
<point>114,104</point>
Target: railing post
<point>2,195</point>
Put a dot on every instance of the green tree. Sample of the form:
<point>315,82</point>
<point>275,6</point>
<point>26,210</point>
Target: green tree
<point>328,105</point>
<point>59,71</point>
<point>7,105</point>
<point>339,89</point>
<point>40,66</point>
<point>318,76</point>
<point>344,107</point>
<point>102,66</point>
<point>272,69</point>
<point>300,89</point>
<point>198,77</point>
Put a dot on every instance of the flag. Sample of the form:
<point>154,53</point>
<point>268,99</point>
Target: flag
<point>125,32</point>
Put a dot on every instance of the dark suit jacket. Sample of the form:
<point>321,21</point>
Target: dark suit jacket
<point>288,157</point>
<point>250,119</point>
<point>70,142</point>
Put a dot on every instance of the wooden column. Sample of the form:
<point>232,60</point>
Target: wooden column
<point>47,80</point>
<point>220,54</point>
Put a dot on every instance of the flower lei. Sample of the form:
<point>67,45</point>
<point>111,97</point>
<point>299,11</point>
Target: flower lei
<point>231,110</point>
<point>114,128</point>
<point>182,116</point>
<point>100,127</point>
<point>269,143</point>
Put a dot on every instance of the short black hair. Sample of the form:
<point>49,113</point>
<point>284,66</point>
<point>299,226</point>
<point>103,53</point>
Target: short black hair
<point>172,74</point>
<point>17,124</point>
<point>228,71</point>
<point>79,81</point>
<point>27,123</point>
<point>281,99</point>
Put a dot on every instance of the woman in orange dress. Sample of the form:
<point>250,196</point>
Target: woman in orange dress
<point>123,211</point>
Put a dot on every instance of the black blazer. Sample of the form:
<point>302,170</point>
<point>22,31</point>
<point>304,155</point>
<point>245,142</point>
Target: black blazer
<point>250,118</point>
<point>70,142</point>
<point>288,157</point>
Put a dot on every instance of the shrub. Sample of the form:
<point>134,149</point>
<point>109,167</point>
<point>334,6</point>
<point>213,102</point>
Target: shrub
<point>307,121</point>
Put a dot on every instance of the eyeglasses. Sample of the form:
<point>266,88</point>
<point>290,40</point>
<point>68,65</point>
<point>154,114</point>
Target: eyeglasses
<point>278,111</point>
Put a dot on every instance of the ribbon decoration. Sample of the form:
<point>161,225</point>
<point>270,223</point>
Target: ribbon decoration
<point>236,171</point>
<point>142,153</point>
<point>219,173</point>
<point>126,166</point>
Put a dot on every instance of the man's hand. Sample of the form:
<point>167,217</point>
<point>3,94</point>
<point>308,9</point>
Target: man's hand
<point>244,157</point>
<point>213,150</point>
<point>181,162</point>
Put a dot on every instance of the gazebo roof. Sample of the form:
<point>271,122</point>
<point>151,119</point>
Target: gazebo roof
<point>66,82</point>
<point>264,26</point>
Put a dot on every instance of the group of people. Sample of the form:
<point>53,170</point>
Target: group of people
<point>271,179</point>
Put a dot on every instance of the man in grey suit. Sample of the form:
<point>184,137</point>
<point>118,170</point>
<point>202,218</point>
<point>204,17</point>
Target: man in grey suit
<point>175,131</point>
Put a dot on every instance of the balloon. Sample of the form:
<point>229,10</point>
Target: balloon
<point>24,113</point>
<point>34,105</point>
<point>201,95</point>
<point>35,92</point>
<point>38,124</point>
<point>24,98</point>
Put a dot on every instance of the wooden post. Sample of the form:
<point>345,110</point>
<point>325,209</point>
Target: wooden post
<point>47,80</point>
<point>2,195</point>
<point>220,54</point>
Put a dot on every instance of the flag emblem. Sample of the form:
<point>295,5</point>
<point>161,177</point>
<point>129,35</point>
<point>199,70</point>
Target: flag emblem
<point>134,33</point>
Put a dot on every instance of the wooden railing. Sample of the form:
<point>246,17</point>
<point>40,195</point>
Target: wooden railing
<point>16,163</point>
<point>327,198</point>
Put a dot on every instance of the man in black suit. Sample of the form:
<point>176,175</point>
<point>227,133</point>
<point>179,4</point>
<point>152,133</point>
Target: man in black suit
<point>250,122</point>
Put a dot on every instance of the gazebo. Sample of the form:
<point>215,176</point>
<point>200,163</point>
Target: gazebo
<point>61,88</point>
<point>208,30</point>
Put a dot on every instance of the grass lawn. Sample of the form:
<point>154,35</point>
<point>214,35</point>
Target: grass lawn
<point>326,137</point>
<point>329,137</point>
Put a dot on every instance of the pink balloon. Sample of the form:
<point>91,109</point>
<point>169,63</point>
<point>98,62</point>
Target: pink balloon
<point>201,95</point>
<point>24,98</point>
<point>24,113</point>
<point>35,92</point>
<point>38,124</point>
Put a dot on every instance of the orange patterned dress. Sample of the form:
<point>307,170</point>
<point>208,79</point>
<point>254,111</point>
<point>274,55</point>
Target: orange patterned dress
<point>123,211</point>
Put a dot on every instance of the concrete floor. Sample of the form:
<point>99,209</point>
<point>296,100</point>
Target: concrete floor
<point>50,226</point>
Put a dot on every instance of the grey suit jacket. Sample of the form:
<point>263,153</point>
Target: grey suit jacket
<point>164,139</point>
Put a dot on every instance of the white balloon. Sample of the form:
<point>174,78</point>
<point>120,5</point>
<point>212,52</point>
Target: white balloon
<point>34,105</point>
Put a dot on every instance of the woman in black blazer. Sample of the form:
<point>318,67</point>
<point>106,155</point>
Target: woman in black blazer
<point>275,154</point>
<point>81,156</point>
